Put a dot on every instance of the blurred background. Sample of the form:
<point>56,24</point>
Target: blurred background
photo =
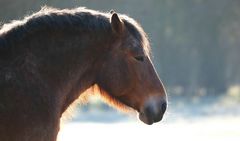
<point>196,51</point>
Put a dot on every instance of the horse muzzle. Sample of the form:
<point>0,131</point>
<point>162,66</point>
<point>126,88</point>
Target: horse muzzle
<point>153,111</point>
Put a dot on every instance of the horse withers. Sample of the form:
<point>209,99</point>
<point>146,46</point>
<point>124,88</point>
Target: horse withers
<point>48,59</point>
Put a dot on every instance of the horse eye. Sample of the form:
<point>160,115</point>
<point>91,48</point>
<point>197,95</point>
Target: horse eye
<point>139,58</point>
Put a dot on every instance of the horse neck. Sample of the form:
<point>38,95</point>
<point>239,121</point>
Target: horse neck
<point>68,63</point>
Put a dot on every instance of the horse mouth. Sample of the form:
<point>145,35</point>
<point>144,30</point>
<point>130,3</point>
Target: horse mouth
<point>149,120</point>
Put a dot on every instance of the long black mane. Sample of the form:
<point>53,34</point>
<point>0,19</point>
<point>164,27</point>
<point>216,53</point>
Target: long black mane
<point>54,19</point>
<point>51,19</point>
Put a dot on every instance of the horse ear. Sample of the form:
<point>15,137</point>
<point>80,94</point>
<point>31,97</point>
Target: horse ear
<point>117,24</point>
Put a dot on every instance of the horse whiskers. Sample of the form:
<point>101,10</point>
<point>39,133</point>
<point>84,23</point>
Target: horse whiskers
<point>113,102</point>
<point>108,99</point>
<point>95,90</point>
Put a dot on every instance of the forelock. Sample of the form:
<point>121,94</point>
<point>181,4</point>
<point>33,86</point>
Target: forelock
<point>137,32</point>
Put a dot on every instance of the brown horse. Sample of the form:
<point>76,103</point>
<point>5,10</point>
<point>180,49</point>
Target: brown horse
<point>49,58</point>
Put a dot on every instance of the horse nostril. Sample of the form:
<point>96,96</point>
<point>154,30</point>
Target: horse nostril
<point>164,107</point>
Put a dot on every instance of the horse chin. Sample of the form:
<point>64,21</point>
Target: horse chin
<point>145,119</point>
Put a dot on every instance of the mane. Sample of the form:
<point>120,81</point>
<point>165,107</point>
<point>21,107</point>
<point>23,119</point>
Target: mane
<point>56,19</point>
<point>137,31</point>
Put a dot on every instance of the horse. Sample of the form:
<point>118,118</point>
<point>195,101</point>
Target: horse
<point>49,58</point>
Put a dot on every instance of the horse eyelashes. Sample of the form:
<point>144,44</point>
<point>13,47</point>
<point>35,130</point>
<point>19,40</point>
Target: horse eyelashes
<point>139,58</point>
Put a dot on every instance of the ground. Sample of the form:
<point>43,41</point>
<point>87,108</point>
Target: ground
<point>207,119</point>
<point>207,129</point>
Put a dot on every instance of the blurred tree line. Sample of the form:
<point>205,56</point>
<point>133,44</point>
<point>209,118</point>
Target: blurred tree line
<point>195,43</point>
